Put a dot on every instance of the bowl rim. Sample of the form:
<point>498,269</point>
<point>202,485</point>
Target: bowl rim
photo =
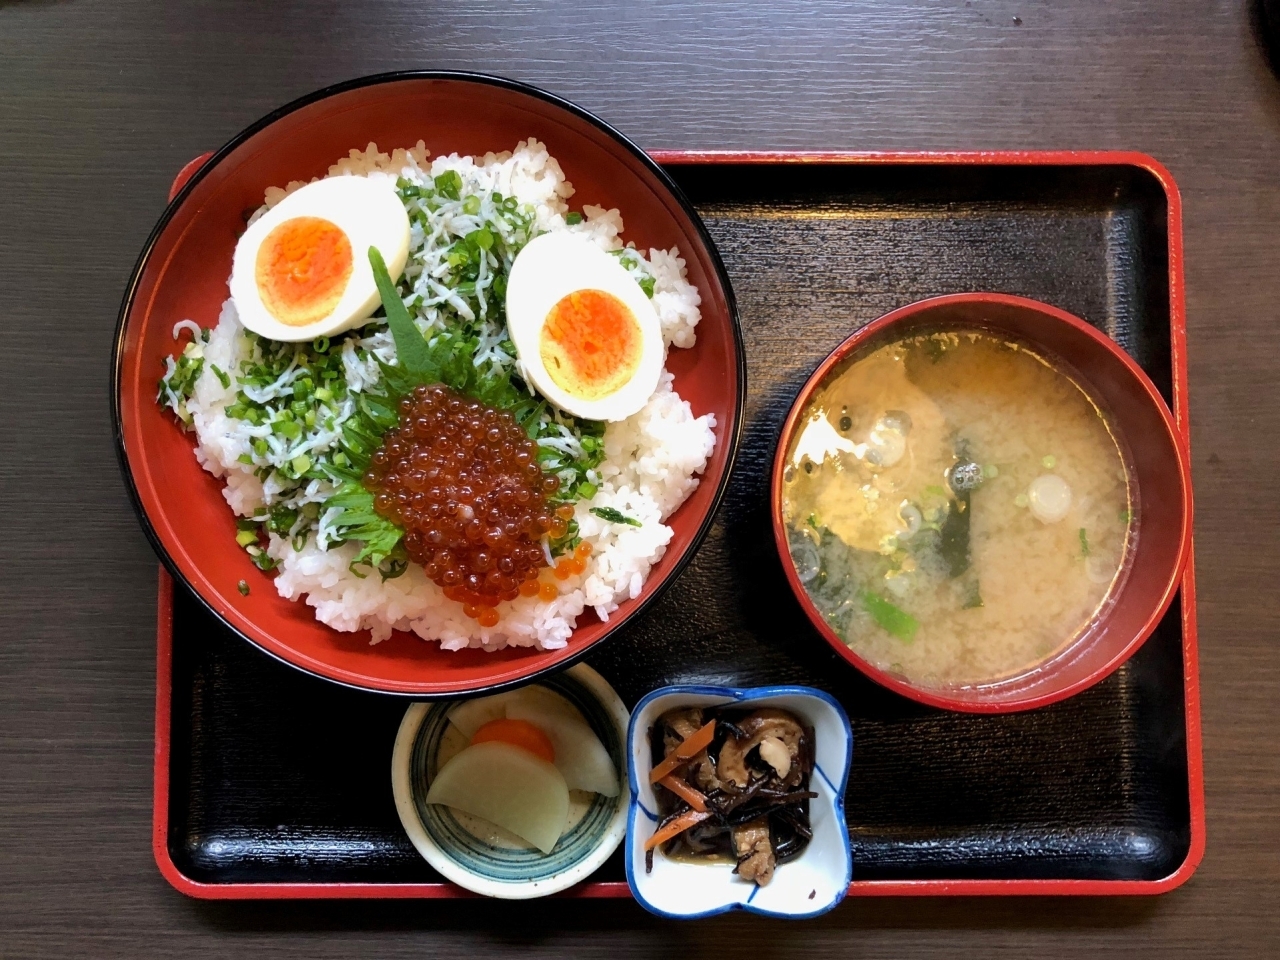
<point>935,697</point>
<point>741,695</point>
<point>610,839</point>
<point>731,439</point>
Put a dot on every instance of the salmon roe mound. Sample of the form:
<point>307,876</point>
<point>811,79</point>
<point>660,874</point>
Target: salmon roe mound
<point>462,480</point>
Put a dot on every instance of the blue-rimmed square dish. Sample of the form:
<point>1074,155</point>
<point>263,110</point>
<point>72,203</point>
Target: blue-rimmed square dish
<point>809,885</point>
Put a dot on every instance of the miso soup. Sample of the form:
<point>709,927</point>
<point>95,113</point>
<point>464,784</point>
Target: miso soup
<point>958,508</point>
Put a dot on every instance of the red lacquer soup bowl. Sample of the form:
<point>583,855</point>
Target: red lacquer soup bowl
<point>183,274</point>
<point>1160,479</point>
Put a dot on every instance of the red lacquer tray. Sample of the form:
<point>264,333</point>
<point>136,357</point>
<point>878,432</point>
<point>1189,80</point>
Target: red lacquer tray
<point>261,793</point>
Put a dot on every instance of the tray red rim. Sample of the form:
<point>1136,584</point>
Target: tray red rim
<point>865,888</point>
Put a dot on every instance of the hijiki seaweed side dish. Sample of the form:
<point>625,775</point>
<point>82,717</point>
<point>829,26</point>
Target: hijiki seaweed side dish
<point>438,399</point>
<point>732,784</point>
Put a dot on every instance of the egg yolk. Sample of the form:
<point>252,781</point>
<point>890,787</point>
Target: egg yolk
<point>518,733</point>
<point>302,269</point>
<point>591,344</point>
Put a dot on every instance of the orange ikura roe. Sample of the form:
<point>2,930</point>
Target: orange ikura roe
<point>302,269</point>
<point>462,479</point>
<point>590,344</point>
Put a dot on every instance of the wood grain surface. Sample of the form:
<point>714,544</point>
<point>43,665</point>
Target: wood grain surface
<point>101,102</point>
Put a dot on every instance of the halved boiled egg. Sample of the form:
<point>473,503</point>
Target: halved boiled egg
<point>587,337</point>
<point>302,269</point>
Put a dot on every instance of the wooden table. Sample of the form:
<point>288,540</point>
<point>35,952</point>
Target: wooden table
<point>100,104</point>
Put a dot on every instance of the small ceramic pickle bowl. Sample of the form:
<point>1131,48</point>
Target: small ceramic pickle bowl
<point>812,883</point>
<point>483,858</point>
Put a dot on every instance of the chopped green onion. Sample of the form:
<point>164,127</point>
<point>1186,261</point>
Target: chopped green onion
<point>246,459</point>
<point>222,377</point>
<point>301,464</point>
<point>1049,462</point>
<point>320,344</point>
<point>449,184</point>
<point>614,516</point>
<point>646,284</point>
<point>1084,543</point>
<point>892,619</point>
<point>281,519</point>
<point>324,394</point>
<point>246,537</point>
<point>243,587</point>
<point>262,561</point>
<point>573,218</point>
<point>990,471</point>
<point>586,490</point>
<point>471,205</point>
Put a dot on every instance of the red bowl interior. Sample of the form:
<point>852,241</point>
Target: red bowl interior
<point>183,274</point>
<point>1161,471</point>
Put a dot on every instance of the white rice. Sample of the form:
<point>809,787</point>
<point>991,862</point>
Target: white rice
<point>652,461</point>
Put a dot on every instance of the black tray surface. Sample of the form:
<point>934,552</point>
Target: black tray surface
<point>279,777</point>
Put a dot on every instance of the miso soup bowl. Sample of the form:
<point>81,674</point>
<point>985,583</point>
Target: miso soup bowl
<point>1161,474</point>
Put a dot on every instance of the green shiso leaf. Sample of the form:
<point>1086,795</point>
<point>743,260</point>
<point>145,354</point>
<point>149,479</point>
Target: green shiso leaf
<point>615,516</point>
<point>360,521</point>
<point>411,348</point>
<point>893,619</point>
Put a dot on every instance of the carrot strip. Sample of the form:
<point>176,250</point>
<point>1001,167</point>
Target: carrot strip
<point>689,748</point>
<point>676,827</point>
<point>685,792</point>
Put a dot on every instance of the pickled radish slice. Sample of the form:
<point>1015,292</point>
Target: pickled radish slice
<point>509,787</point>
<point>518,733</point>
<point>544,701</point>
<point>470,715</point>
<point>579,754</point>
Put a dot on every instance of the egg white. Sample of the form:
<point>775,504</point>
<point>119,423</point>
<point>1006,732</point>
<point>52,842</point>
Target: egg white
<point>551,267</point>
<point>368,211</point>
